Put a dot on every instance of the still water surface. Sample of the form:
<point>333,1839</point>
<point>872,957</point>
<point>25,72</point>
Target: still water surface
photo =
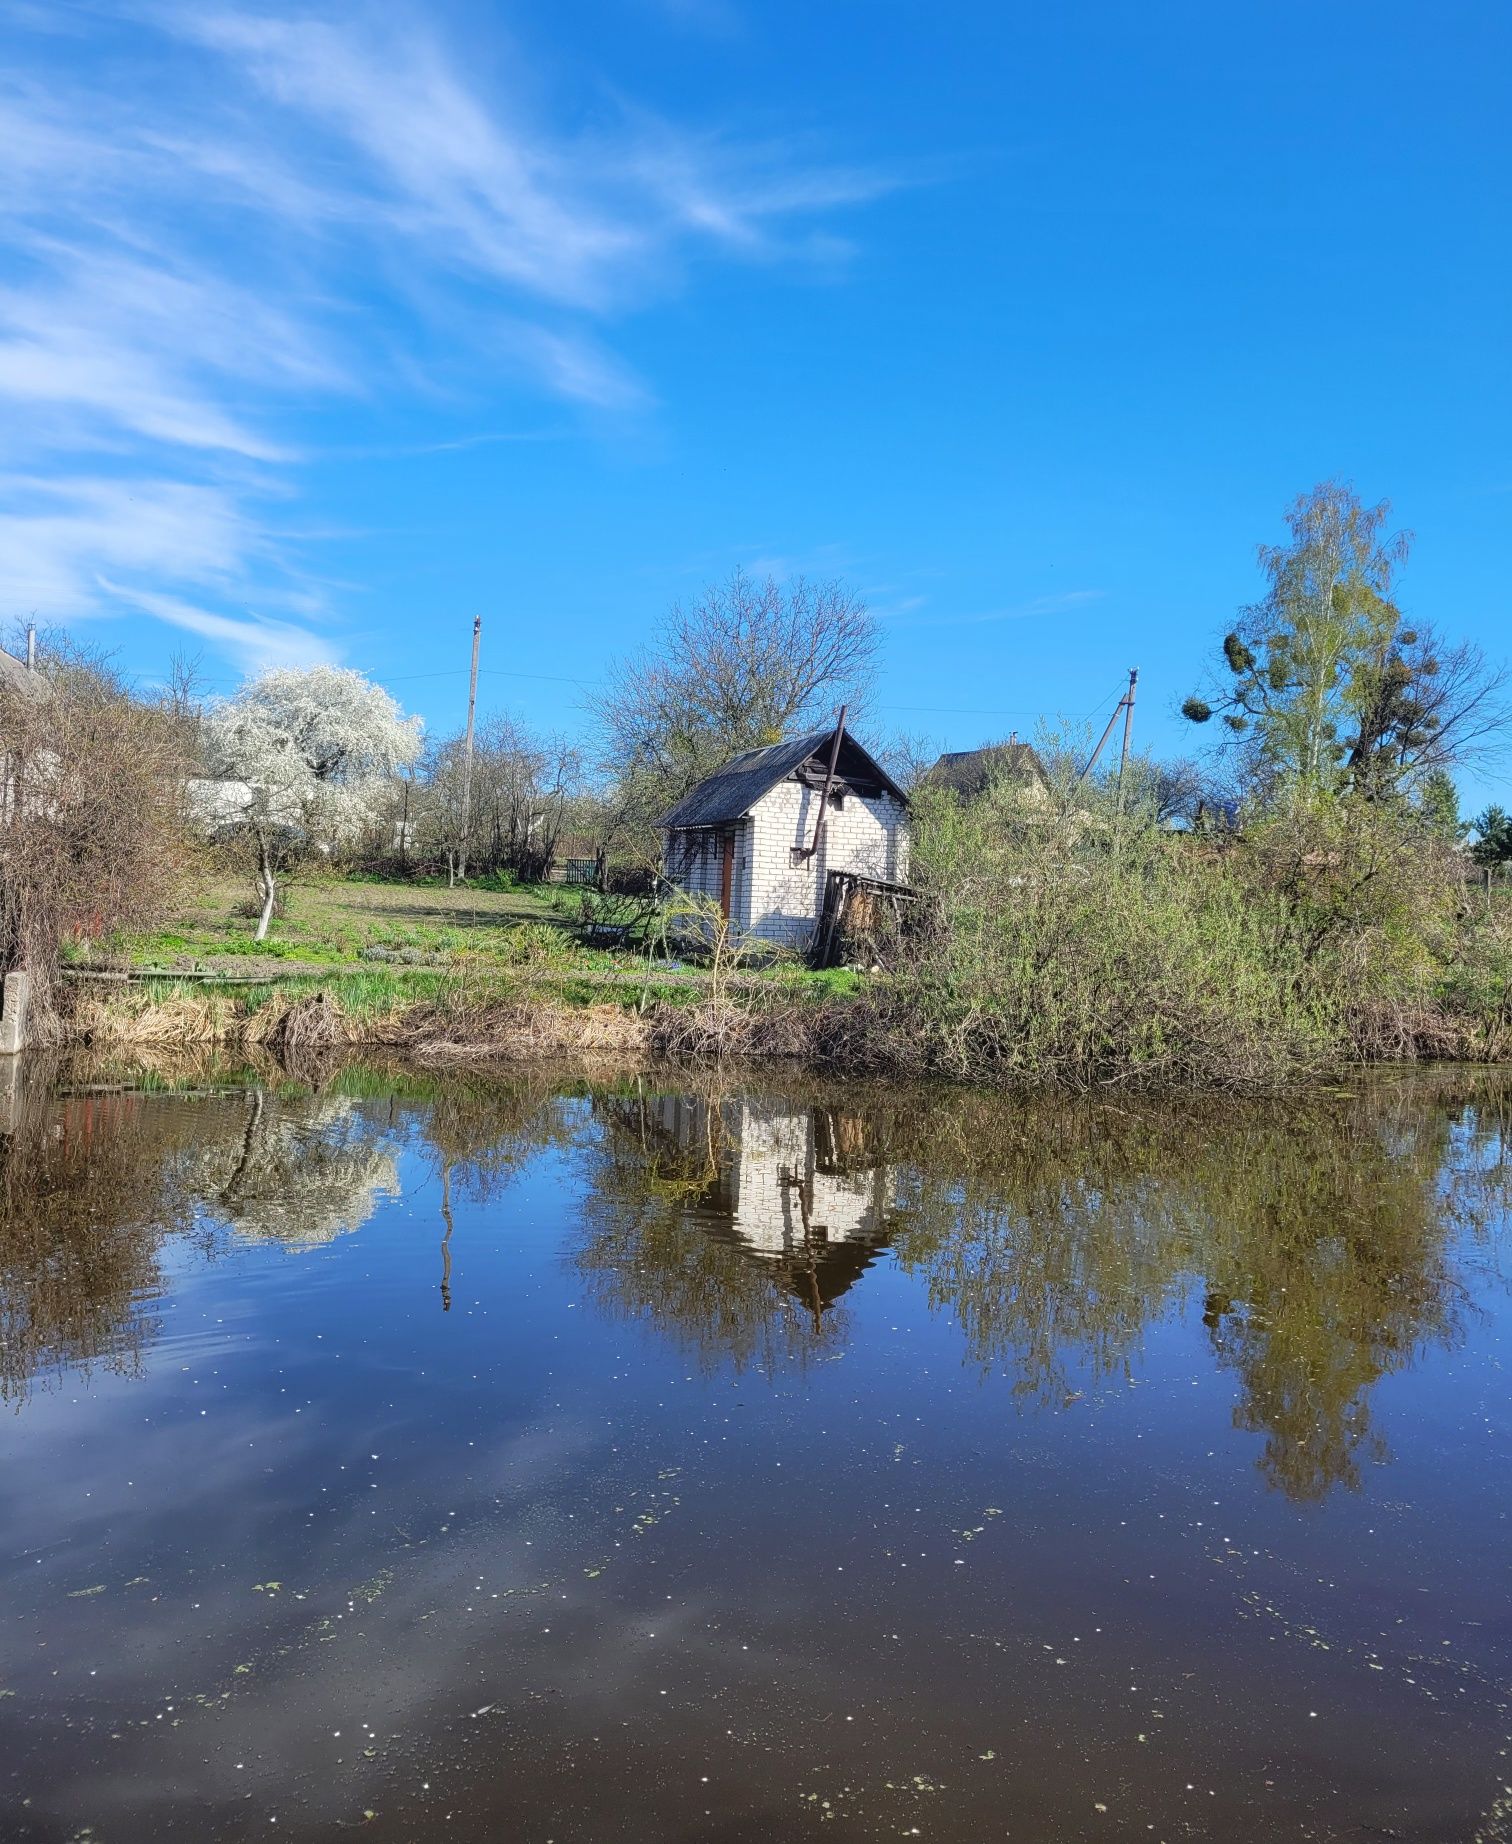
<point>667,1459</point>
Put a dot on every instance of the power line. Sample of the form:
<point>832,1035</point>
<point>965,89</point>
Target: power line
<point>557,678</point>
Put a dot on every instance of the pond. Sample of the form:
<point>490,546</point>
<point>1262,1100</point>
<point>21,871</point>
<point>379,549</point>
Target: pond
<point>678,1457</point>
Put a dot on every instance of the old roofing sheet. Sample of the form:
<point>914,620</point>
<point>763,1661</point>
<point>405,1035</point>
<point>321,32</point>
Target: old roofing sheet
<point>735,789</point>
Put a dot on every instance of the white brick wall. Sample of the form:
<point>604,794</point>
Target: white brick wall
<point>761,1143</point>
<point>772,1141</point>
<point>771,897</point>
<point>783,899</point>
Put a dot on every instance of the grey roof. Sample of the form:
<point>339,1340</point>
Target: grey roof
<point>968,771</point>
<point>16,675</point>
<point>730,793</point>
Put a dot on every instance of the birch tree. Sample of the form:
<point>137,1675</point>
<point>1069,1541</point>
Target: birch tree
<point>1325,684</point>
<point>313,750</point>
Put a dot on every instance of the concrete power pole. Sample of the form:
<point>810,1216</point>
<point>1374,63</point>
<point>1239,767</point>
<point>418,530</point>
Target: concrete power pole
<point>1123,760</point>
<point>467,749</point>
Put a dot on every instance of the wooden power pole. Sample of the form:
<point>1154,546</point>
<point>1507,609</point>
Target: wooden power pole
<point>467,749</point>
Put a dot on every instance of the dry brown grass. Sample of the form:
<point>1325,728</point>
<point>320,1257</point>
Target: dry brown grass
<point>515,1028</point>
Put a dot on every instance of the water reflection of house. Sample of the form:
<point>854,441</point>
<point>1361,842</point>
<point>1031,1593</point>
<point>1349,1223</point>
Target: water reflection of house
<point>802,1190</point>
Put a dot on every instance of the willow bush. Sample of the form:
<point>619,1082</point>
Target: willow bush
<point>1076,943</point>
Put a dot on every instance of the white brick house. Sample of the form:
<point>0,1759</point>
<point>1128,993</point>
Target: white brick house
<point>745,837</point>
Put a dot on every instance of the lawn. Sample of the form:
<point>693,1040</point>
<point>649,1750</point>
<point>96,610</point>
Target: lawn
<point>376,944</point>
<point>332,923</point>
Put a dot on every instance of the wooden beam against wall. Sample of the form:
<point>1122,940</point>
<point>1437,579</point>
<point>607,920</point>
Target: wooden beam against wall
<point>829,781</point>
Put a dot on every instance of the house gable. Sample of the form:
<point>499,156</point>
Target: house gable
<point>969,772</point>
<point>749,832</point>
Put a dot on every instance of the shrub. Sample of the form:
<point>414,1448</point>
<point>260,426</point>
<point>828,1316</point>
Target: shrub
<point>92,814</point>
<point>1081,945</point>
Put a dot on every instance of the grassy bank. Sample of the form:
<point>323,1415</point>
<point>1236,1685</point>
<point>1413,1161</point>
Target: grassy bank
<point>1083,951</point>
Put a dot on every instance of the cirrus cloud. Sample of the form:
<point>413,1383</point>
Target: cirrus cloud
<point>219,221</point>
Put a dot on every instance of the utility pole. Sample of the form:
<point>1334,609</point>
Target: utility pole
<point>467,750</point>
<point>1128,704</point>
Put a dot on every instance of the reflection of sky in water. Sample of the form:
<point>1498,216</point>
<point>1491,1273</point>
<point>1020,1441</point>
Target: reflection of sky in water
<point>1124,1460</point>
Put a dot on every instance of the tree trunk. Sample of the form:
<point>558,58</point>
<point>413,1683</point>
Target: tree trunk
<point>267,887</point>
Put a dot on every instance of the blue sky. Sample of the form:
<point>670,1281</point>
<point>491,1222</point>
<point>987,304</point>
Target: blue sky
<point>323,330</point>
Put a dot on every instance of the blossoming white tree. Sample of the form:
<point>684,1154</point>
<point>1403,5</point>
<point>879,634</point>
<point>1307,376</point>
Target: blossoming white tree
<point>311,749</point>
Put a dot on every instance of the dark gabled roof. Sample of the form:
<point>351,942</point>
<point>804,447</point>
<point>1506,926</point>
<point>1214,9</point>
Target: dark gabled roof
<point>730,794</point>
<point>967,771</point>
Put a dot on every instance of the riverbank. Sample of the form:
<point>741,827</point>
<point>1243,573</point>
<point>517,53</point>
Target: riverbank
<point>1181,964</point>
<point>881,1025</point>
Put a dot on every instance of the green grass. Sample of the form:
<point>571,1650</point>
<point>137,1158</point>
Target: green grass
<point>330,923</point>
<point>497,936</point>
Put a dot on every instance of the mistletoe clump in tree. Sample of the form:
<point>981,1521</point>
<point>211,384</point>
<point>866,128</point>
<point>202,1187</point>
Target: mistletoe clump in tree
<point>1326,686</point>
<point>312,749</point>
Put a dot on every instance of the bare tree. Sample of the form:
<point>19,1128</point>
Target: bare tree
<point>92,821</point>
<point>522,790</point>
<point>742,665</point>
<point>908,756</point>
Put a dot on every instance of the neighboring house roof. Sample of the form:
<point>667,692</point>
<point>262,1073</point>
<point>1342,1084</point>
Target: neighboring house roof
<point>730,794</point>
<point>968,771</point>
<point>16,675</point>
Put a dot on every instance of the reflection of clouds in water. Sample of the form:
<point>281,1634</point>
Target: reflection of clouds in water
<point>393,1629</point>
<point>303,1172</point>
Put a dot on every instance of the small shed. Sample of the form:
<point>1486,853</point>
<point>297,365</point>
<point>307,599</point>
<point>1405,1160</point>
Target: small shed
<point>749,836</point>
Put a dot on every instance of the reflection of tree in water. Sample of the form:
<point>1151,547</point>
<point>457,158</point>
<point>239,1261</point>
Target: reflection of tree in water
<point>1321,1229</point>
<point>1055,1232</point>
<point>734,1222</point>
<point>95,1180</point>
<point>89,1189</point>
<point>1331,1266</point>
<point>92,1184</point>
<point>1329,1239</point>
<point>478,1133</point>
<point>304,1170</point>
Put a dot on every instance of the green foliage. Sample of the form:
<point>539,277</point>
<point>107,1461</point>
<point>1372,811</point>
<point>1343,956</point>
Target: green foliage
<point>1325,686</point>
<point>1493,844</point>
<point>1090,946</point>
<point>1438,805</point>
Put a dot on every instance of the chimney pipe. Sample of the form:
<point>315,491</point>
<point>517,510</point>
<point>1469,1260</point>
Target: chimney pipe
<point>31,646</point>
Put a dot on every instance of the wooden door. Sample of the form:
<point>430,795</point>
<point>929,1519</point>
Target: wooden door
<point>726,873</point>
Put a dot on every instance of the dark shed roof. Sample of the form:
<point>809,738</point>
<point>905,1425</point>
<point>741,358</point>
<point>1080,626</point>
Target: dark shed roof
<point>968,771</point>
<point>730,794</point>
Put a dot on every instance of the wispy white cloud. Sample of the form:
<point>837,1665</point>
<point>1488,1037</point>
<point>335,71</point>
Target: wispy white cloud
<point>81,548</point>
<point>230,217</point>
<point>255,642</point>
<point>58,534</point>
